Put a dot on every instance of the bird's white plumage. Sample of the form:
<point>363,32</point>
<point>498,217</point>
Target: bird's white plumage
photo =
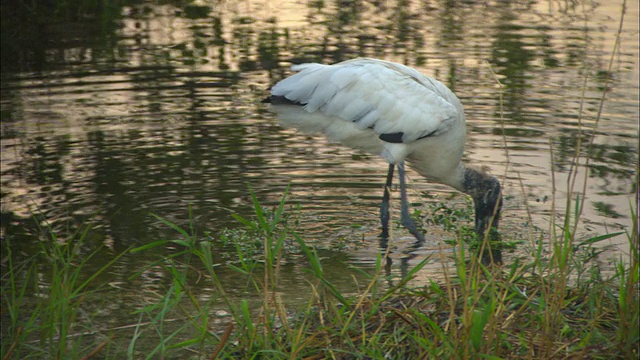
<point>356,101</point>
<point>389,96</point>
<point>392,110</point>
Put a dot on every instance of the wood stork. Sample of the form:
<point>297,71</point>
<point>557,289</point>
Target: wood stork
<point>390,109</point>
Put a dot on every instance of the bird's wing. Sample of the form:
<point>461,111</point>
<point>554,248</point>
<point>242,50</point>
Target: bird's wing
<point>400,104</point>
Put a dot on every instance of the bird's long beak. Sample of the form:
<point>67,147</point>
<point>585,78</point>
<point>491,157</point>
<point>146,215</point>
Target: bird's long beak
<point>487,221</point>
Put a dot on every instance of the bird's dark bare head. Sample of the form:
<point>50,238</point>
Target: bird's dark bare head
<point>487,197</point>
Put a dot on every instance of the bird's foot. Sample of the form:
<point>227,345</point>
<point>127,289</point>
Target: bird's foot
<point>410,224</point>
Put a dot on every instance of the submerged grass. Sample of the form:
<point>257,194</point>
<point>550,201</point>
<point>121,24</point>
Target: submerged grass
<point>559,303</point>
<point>40,315</point>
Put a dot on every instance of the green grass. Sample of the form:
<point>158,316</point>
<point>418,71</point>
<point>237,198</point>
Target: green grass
<point>560,303</point>
<point>40,314</point>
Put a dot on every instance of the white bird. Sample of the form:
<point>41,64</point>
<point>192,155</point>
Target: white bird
<point>392,110</point>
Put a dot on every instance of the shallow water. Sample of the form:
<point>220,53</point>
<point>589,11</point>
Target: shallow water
<point>157,111</point>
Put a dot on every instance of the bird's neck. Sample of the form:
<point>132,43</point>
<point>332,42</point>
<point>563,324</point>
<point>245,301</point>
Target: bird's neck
<point>455,177</point>
<point>461,177</point>
<point>441,172</point>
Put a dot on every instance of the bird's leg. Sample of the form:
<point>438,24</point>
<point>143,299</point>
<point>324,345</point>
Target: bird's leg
<point>405,218</point>
<point>384,207</point>
<point>384,218</point>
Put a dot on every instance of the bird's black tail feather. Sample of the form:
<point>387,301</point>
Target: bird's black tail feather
<point>280,100</point>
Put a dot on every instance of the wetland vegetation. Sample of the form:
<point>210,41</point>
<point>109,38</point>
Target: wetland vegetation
<point>139,221</point>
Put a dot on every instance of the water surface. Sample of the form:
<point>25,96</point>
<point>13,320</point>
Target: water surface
<point>156,110</point>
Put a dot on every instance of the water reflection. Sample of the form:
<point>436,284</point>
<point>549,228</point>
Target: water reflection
<point>157,109</point>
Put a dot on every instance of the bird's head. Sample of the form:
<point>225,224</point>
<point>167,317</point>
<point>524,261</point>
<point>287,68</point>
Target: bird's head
<point>487,200</point>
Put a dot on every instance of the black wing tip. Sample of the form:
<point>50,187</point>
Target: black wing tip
<point>394,138</point>
<point>279,100</point>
